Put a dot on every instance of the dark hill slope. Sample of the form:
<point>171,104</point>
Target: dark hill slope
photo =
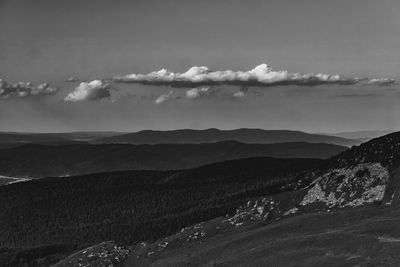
<point>242,170</point>
<point>41,160</point>
<point>384,150</point>
<point>256,136</point>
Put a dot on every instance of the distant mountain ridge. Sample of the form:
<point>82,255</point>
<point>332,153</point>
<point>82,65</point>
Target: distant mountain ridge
<point>24,138</point>
<point>44,160</point>
<point>11,139</point>
<point>212,135</point>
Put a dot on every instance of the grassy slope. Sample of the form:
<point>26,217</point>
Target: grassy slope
<point>368,235</point>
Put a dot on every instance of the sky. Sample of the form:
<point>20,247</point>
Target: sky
<point>103,46</point>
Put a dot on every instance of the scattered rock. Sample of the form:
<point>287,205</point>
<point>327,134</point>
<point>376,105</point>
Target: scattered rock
<point>106,254</point>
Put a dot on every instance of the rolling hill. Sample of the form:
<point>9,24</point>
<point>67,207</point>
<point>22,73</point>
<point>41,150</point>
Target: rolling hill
<point>256,136</point>
<point>44,160</point>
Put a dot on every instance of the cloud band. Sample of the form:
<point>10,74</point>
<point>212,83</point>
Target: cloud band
<point>261,76</point>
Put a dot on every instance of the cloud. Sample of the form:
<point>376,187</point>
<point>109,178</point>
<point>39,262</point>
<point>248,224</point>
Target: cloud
<point>164,97</point>
<point>72,79</point>
<point>262,75</point>
<point>91,91</point>
<point>243,91</point>
<point>24,89</point>
<point>199,92</point>
<point>381,81</point>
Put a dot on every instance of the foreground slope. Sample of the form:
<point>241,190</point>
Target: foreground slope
<point>41,160</point>
<point>365,236</point>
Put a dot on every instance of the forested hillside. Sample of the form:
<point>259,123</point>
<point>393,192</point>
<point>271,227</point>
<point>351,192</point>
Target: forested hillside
<point>137,205</point>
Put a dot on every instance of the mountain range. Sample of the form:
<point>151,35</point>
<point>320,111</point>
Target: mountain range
<point>184,136</point>
<point>257,136</point>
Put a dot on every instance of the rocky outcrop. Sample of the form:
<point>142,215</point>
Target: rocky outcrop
<point>106,254</point>
<point>352,186</point>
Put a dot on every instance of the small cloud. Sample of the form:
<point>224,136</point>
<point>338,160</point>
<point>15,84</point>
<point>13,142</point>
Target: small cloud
<point>198,92</point>
<point>381,81</point>
<point>89,91</point>
<point>72,79</point>
<point>262,76</point>
<point>164,97</point>
<point>25,89</point>
<point>243,91</point>
<point>43,89</point>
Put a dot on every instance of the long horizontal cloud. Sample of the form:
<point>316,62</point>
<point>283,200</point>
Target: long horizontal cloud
<point>24,89</point>
<point>89,91</point>
<point>262,75</point>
